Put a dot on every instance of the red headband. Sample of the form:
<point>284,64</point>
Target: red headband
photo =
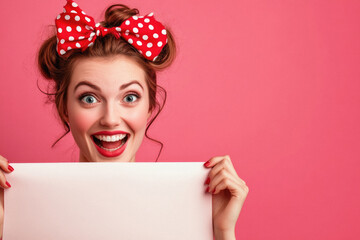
<point>76,30</point>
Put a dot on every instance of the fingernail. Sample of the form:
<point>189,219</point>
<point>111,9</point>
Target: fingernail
<point>213,191</point>
<point>8,184</point>
<point>206,164</point>
<point>207,181</point>
<point>10,168</point>
<point>207,189</point>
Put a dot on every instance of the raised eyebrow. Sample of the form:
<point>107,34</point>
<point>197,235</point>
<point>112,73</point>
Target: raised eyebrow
<point>130,83</point>
<point>86,83</point>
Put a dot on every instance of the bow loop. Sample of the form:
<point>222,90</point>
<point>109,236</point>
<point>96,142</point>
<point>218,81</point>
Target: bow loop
<point>145,34</point>
<point>75,29</point>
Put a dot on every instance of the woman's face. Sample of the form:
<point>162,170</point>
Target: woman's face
<point>108,108</point>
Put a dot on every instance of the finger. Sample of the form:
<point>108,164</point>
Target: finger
<point>223,162</point>
<point>213,161</point>
<point>4,165</point>
<point>220,176</point>
<point>235,189</point>
<point>3,182</point>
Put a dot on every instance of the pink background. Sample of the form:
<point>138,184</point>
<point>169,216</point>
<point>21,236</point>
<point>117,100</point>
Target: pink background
<point>274,84</point>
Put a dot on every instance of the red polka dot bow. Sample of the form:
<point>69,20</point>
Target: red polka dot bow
<point>77,30</point>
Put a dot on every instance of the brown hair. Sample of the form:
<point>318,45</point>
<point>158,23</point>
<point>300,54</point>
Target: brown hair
<point>58,69</point>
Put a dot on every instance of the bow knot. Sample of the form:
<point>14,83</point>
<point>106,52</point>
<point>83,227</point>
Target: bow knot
<point>103,31</point>
<point>77,30</point>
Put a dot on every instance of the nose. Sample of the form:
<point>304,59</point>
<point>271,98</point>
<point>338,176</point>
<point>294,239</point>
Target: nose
<point>110,116</point>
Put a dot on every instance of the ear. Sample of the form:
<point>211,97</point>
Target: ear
<point>66,117</point>
<point>149,115</point>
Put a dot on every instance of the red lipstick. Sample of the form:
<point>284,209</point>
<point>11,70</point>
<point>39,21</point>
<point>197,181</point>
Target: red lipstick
<point>110,133</point>
<point>102,141</point>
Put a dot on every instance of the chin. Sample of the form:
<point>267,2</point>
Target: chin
<point>97,157</point>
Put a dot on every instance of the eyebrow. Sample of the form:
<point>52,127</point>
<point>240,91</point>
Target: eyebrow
<point>86,83</point>
<point>130,83</point>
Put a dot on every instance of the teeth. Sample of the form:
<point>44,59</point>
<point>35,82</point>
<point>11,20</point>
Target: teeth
<point>112,138</point>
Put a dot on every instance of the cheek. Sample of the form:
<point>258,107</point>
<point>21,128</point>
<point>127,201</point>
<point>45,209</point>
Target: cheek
<point>137,120</point>
<point>81,121</point>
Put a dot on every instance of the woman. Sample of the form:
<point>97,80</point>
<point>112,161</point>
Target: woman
<point>105,94</point>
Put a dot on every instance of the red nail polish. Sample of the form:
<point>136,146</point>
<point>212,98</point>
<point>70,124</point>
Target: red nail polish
<point>207,163</point>
<point>207,181</point>
<point>8,184</point>
<point>207,189</point>
<point>213,191</point>
<point>10,168</point>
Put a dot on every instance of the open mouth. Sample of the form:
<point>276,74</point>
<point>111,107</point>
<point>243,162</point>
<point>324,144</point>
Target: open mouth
<point>110,143</point>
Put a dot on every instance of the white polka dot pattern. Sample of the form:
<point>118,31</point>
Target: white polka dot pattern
<point>76,30</point>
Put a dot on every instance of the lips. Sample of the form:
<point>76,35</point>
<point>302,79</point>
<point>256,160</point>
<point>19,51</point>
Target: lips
<point>110,144</point>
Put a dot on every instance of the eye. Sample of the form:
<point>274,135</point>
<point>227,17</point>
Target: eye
<point>89,99</point>
<point>130,98</point>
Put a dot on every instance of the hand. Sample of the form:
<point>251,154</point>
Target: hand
<point>4,167</point>
<point>229,193</point>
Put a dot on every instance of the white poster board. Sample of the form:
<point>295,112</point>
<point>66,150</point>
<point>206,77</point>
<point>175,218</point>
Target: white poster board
<point>88,201</point>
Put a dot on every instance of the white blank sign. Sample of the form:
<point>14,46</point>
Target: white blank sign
<point>88,201</point>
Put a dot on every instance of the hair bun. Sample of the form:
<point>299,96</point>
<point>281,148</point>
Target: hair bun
<point>116,14</point>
